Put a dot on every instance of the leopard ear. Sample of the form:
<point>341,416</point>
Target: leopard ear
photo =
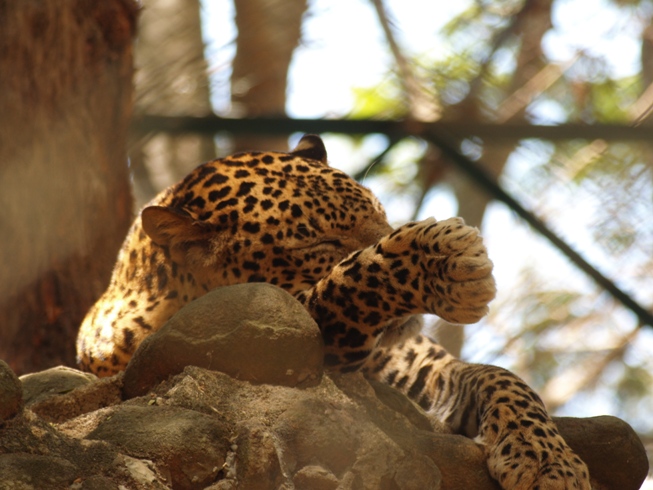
<point>312,147</point>
<point>184,236</point>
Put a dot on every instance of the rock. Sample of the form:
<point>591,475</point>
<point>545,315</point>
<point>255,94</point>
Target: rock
<point>11,393</point>
<point>36,455</point>
<point>254,332</point>
<point>258,459</point>
<point>611,449</point>
<point>143,471</point>
<point>315,478</point>
<point>282,430</point>
<point>205,429</point>
<point>60,394</point>
<point>35,471</point>
<point>190,447</point>
<point>461,462</point>
<point>96,482</point>
<point>54,381</point>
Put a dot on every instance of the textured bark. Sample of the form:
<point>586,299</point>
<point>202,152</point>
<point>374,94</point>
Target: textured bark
<point>268,32</point>
<point>66,69</point>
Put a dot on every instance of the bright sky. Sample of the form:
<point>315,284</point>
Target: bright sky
<point>344,47</point>
<point>339,38</point>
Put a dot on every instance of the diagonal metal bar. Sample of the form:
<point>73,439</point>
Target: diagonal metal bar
<point>505,132</point>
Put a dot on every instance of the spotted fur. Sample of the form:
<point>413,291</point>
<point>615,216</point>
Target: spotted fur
<point>291,220</point>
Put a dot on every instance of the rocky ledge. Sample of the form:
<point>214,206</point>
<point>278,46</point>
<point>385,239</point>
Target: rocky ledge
<point>230,394</point>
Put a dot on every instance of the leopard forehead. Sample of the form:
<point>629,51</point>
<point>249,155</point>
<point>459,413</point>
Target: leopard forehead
<point>277,189</point>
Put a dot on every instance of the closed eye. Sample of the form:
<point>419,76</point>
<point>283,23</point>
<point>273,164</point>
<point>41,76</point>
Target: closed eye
<point>330,241</point>
<point>322,241</point>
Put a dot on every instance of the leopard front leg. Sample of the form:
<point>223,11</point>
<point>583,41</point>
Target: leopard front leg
<point>424,267</point>
<point>523,447</point>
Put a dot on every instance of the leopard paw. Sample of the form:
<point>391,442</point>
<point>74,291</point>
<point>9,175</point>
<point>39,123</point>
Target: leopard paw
<point>458,273</point>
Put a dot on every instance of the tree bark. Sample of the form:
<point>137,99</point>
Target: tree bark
<point>65,104</point>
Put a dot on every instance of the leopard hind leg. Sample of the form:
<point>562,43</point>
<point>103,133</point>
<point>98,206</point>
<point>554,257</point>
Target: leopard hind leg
<point>522,444</point>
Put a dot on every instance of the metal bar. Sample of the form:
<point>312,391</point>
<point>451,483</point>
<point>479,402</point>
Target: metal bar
<point>506,132</point>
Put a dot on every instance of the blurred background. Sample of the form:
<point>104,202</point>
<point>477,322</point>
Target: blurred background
<point>575,64</point>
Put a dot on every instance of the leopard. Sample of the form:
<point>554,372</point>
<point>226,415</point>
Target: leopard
<point>292,220</point>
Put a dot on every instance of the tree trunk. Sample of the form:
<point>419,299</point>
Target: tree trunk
<point>65,104</point>
<point>268,33</point>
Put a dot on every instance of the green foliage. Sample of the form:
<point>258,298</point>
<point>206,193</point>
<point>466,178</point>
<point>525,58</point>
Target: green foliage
<point>611,99</point>
<point>383,101</point>
<point>635,383</point>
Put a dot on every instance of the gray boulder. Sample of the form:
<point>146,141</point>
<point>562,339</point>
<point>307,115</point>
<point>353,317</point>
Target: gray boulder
<point>255,332</point>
